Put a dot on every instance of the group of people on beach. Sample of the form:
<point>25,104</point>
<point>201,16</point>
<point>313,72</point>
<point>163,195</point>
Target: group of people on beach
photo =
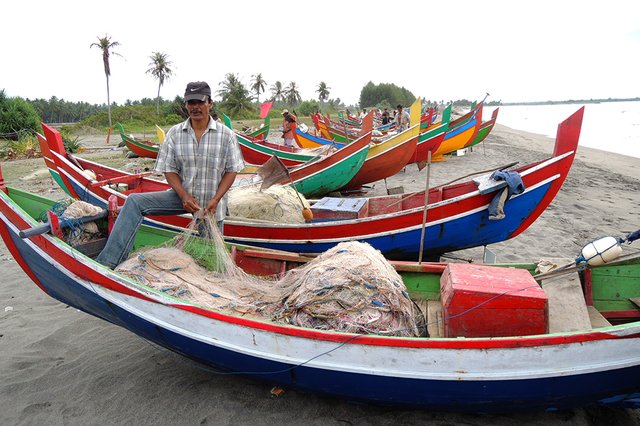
<point>399,116</point>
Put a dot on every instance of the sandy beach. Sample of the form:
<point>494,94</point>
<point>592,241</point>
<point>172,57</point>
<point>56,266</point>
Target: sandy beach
<point>62,366</point>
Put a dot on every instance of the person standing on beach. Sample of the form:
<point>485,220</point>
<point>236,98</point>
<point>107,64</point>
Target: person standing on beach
<point>288,124</point>
<point>402,119</point>
<point>200,158</point>
<point>385,117</point>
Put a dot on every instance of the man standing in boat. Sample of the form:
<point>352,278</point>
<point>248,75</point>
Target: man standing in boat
<point>402,119</point>
<point>200,158</point>
<point>288,124</point>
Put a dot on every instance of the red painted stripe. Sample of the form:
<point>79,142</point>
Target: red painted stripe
<point>516,342</point>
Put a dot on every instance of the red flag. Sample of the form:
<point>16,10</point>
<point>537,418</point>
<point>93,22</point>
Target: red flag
<point>264,109</point>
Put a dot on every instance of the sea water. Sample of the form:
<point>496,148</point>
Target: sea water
<point>608,126</point>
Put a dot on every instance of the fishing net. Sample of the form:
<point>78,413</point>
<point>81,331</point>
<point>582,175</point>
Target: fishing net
<point>71,212</point>
<point>350,288</point>
<point>275,204</point>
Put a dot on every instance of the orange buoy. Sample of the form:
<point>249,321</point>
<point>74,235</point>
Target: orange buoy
<point>307,214</point>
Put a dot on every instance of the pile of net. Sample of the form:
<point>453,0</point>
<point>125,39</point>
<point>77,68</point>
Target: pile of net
<point>275,204</point>
<point>77,231</point>
<point>350,288</point>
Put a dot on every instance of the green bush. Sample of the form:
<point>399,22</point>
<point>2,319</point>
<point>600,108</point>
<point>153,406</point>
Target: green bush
<point>374,94</point>
<point>17,117</point>
<point>26,146</point>
<point>306,108</point>
<point>72,144</point>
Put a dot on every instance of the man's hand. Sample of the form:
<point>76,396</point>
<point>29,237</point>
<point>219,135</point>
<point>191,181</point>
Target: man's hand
<point>212,206</point>
<point>190,204</point>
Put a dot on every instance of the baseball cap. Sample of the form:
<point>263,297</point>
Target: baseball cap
<point>285,111</point>
<point>197,91</point>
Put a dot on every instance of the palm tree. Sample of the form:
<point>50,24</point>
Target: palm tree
<point>105,44</point>
<point>323,91</point>
<point>277,91</point>
<point>292,95</point>
<point>258,85</point>
<point>236,98</point>
<point>159,69</point>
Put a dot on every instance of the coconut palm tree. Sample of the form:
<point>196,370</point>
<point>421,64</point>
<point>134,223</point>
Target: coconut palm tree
<point>291,94</point>
<point>159,69</point>
<point>323,91</point>
<point>258,85</point>
<point>277,92</point>
<point>105,45</point>
<point>236,98</point>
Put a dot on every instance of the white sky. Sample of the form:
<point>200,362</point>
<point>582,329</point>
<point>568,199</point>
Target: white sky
<point>442,50</point>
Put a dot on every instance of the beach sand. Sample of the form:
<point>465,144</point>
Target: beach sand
<point>62,366</point>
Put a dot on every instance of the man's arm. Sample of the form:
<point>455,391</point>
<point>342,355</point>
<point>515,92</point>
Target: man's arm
<point>189,203</point>
<point>225,184</point>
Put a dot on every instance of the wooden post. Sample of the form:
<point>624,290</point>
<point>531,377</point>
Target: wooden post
<point>426,204</point>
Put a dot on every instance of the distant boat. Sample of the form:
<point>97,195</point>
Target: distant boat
<point>142,148</point>
<point>485,129</point>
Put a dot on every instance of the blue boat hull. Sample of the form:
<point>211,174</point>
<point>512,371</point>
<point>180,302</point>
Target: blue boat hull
<point>468,395</point>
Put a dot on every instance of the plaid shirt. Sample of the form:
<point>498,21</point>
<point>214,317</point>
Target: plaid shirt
<point>201,165</point>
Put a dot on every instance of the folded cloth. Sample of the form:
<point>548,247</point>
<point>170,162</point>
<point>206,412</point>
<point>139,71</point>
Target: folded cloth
<point>514,186</point>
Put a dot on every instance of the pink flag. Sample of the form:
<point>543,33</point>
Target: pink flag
<point>264,109</point>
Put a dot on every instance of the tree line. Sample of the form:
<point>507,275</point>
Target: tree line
<point>235,98</point>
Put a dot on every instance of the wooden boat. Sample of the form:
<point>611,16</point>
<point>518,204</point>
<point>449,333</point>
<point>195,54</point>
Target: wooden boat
<point>427,119</point>
<point>461,132</point>
<point>331,172</point>
<point>484,129</point>
<point>314,178</point>
<point>388,157</point>
<point>142,148</point>
<point>431,138</point>
<point>256,153</point>
<point>259,134</point>
<point>160,134</point>
<point>457,213</point>
<point>599,364</point>
<point>308,141</point>
<point>322,126</point>
<point>341,131</point>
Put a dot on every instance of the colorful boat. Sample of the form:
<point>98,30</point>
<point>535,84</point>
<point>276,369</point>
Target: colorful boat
<point>461,131</point>
<point>431,138</point>
<point>321,127</point>
<point>142,148</point>
<point>256,153</point>
<point>259,134</point>
<point>324,174</point>
<point>457,214</point>
<point>160,134</point>
<point>309,141</point>
<point>485,129</point>
<point>598,364</point>
<point>333,171</point>
<point>388,157</point>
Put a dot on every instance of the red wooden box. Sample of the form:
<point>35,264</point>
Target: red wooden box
<point>329,208</point>
<point>491,301</point>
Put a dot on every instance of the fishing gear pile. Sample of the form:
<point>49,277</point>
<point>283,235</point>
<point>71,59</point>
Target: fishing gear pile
<point>350,288</point>
<point>70,213</point>
<point>277,203</point>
